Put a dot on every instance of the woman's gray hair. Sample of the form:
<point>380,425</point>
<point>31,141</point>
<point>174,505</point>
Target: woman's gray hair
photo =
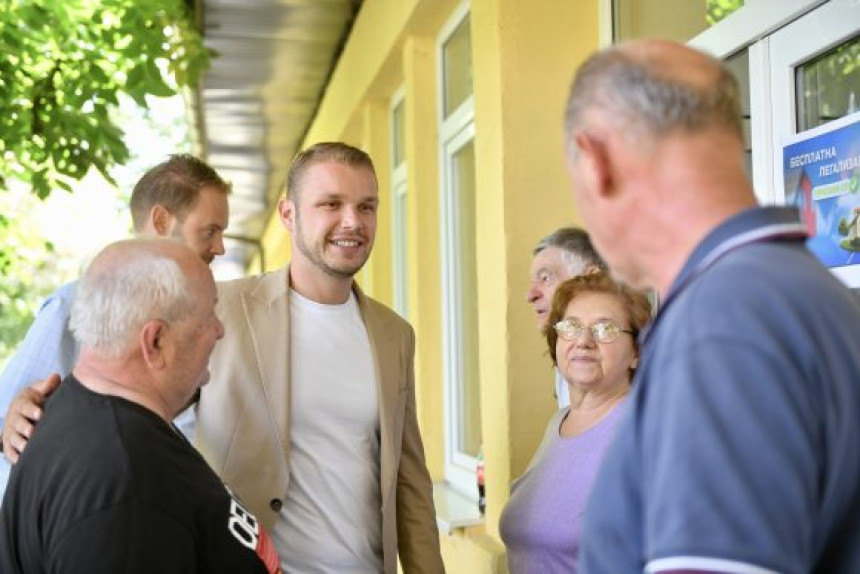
<point>630,89</point>
<point>115,299</point>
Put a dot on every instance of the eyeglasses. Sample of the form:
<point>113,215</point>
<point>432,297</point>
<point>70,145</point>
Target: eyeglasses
<point>602,331</point>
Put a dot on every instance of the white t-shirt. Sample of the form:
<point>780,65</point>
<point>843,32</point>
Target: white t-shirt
<point>331,519</point>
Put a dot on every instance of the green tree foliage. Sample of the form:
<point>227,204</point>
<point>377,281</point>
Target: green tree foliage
<point>63,64</point>
<point>64,67</point>
<point>27,274</point>
<point>719,9</point>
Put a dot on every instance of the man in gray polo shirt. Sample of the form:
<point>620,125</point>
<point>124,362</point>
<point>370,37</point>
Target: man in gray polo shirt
<point>738,453</point>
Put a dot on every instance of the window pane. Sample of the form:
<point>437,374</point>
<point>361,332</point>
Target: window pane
<point>469,394</point>
<point>457,71</point>
<point>400,251</point>
<point>398,133</point>
<point>689,18</point>
<point>739,66</point>
<point>828,87</point>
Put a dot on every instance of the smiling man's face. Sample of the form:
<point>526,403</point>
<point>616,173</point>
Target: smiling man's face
<point>334,219</point>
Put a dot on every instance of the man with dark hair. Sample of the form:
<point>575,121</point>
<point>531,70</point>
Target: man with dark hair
<point>107,484</point>
<point>310,415</point>
<point>183,198</point>
<point>739,450</point>
<point>564,253</point>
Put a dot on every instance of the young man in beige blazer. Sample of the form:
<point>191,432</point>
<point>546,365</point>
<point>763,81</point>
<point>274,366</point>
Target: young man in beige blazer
<point>310,414</point>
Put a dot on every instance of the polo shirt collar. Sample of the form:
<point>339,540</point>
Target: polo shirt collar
<point>748,226</point>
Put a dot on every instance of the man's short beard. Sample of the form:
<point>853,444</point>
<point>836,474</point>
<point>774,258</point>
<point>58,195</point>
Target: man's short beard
<point>320,261</point>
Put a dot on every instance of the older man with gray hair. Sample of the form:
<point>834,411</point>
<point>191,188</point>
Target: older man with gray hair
<point>738,452</point>
<point>564,253</point>
<point>108,484</point>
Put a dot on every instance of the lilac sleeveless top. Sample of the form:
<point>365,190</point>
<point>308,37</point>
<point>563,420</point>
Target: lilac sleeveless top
<point>542,521</point>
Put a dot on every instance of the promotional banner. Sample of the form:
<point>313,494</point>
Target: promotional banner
<point>822,178</point>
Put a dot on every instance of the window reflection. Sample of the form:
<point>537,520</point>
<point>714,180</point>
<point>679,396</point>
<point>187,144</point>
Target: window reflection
<point>739,66</point>
<point>828,87</point>
<point>647,18</point>
<point>457,54</point>
<point>469,440</point>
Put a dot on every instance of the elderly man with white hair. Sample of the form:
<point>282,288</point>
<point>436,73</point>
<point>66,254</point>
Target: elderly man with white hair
<point>108,484</point>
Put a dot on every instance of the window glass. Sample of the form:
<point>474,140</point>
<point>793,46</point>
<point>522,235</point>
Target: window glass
<point>398,133</point>
<point>400,251</point>
<point>719,9</point>
<point>828,87</point>
<point>469,399</point>
<point>458,256</point>
<point>689,18</point>
<point>457,67</point>
<point>739,66</point>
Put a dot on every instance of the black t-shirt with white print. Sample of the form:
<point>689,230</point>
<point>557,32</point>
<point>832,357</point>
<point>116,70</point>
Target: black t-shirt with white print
<point>106,486</point>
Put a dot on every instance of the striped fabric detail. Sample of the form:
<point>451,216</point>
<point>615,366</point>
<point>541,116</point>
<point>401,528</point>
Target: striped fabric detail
<point>704,564</point>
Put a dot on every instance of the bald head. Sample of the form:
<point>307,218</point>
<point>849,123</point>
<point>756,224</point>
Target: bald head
<point>653,88</point>
<point>144,315</point>
<point>129,283</point>
<point>655,155</point>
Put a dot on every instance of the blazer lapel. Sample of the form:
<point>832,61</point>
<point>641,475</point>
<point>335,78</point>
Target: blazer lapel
<point>272,346</point>
<point>387,362</point>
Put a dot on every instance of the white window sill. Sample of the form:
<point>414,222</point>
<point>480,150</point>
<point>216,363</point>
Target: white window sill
<point>454,509</point>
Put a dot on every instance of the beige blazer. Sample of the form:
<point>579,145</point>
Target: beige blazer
<point>243,425</point>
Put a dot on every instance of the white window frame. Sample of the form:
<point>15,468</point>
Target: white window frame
<point>758,27</point>
<point>786,54</point>
<point>399,217</point>
<point>455,131</point>
<point>606,23</point>
<point>748,28</point>
<point>459,466</point>
<point>788,49</point>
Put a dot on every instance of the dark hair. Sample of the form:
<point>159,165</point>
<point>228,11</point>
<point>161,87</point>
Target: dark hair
<point>576,244</point>
<point>338,152</point>
<point>174,184</point>
<point>635,303</point>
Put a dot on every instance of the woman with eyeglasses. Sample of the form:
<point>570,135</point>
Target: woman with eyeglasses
<point>591,333</point>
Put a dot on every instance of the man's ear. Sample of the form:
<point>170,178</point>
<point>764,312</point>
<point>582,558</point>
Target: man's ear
<point>153,337</point>
<point>596,161</point>
<point>160,219</point>
<point>287,212</point>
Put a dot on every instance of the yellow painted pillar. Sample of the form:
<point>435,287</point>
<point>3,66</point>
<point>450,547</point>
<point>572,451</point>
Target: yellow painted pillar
<point>524,55</point>
<point>425,298</point>
<point>375,277</point>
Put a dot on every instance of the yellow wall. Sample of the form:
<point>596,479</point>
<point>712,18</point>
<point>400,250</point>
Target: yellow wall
<point>524,57</point>
<point>376,274</point>
<point>425,294</point>
<point>524,54</point>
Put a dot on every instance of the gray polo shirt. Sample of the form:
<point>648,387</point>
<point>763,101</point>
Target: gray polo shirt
<point>739,451</point>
